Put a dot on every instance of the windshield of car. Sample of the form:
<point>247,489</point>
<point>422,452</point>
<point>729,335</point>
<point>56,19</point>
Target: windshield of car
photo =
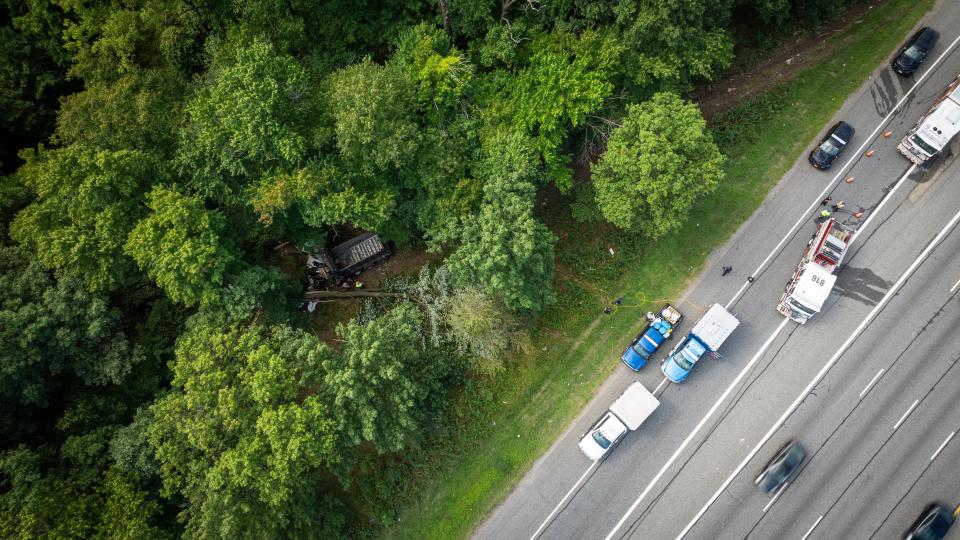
<point>638,348</point>
<point>829,149</point>
<point>924,145</point>
<point>689,355</point>
<point>914,53</point>
<point>601,440</point>
<point>801,307</point>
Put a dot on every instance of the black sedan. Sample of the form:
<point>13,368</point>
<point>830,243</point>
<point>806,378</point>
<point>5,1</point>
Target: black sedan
<point>781,467</point>
<point>932,524</point>
<point>823,156</point>
<point>915,51</point>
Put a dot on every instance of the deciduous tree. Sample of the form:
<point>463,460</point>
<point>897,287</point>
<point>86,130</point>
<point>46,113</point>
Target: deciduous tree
<point>657,164</point>
<point>180,246</point>
<point>504,249</point>
<point>242,437</point>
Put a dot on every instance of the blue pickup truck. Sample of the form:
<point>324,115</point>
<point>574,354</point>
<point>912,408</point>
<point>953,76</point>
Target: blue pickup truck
<point>706,336</point>
<point>659,329</point>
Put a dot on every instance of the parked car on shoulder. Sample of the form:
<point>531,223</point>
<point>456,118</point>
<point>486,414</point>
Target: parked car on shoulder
<point>624,415</point>
<point>933,523</point>
<point>781,467</point>
<point>706,336</point>
<point>914,53</point>
<point>823,156</point>
<point>659,329</point>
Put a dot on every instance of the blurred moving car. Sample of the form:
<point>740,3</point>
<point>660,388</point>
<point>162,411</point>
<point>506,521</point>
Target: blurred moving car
<point>914,53</point>
<point>781,467</point>
<point>933,523</point>
<point>823,156</point>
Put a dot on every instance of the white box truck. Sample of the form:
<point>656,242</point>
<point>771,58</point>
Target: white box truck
<point>631,409</point>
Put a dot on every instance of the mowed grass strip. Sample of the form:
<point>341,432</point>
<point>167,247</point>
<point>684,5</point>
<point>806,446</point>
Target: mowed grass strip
<point>515,419</point>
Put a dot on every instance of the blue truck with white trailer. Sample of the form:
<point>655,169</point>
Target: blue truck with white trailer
<point>706,336</point>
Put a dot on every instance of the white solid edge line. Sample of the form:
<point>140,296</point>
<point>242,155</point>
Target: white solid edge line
<point>699,426</point>
<point>887,197</point>
<point>937,453</point>
<point>775,497</point>
<point>810,530</point>
<point>955,285</point>
<point>826,367</point>
<point>661,385</point>
<point>870,384</point>
<point>559,504</point>
<point>905,415</point>
<point>840,172</point>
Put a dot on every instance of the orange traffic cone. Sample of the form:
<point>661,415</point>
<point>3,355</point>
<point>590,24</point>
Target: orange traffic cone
<point>849,180</point>
<point>858,215</point>
<point>887,134</point>
<point>869,153</point>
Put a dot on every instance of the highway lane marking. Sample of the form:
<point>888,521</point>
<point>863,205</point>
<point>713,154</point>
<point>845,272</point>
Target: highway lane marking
<point>826,367</point>
<point>699,426</point>
<point>840,172</point>
<point>905,415</point>
<point>775,497</point>
<point>870,384</point>
<point>660,386</point>
<point>955,285</point>
<point>886,198</point>
<point>810,530</point>
<point>942,446</point>
<point>556,508</point>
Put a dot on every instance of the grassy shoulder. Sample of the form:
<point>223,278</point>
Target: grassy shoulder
<point>506,425</point>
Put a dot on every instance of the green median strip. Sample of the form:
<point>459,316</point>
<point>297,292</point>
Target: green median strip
<point>505,426</point>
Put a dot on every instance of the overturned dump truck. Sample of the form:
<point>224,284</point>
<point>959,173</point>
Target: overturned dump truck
<point>331,267</point>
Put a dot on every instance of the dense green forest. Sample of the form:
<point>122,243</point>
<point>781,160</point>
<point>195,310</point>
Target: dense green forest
<point>166,160</point>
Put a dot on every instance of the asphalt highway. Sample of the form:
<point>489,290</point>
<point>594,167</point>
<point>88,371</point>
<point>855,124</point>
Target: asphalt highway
<point>862,477</point>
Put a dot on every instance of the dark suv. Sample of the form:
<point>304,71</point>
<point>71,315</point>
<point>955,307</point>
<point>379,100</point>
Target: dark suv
<point>831,145</point>
<point>915,51</point>
<point>781,467</point>
<point>932,524</point>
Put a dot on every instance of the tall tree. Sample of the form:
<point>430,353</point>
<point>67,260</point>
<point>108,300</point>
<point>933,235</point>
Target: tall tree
<point>657,164</point>
<point>372,386</point>
<point>181,246</point>
<point>242,437</point>
<point>256,116</point>
<point>568,78</point>
<point>87,201</point>
<point>54,336</point>
<point>504,249</point>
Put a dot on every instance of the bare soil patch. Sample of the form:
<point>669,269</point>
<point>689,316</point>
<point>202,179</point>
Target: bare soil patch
<point>806,49</point>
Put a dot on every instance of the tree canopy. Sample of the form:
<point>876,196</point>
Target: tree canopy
<point>657,164</point>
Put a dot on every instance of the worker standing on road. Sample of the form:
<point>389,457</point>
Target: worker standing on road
<point>838,206</point>
<point>826,201</point>
<point>727,270</point>
<point>824,215</point>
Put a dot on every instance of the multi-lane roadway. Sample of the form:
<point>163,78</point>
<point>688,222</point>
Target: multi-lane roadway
<point>871,386</point>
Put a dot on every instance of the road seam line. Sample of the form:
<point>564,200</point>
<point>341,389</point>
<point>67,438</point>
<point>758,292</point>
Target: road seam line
<point>942,446</point>
<point>870,384</point>
<point>905,415</point>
